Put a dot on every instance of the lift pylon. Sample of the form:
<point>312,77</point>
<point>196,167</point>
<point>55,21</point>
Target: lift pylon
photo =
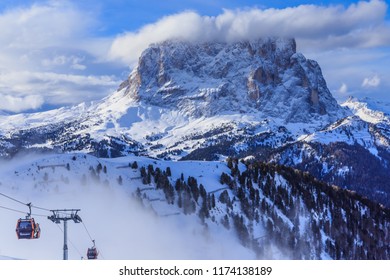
<point>65,215</point>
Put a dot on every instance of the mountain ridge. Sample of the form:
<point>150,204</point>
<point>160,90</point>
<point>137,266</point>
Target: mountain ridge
<point>206,101</point>
<point>313,175</point>
<point>204,79</point>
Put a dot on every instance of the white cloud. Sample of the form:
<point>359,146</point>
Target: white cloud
<point>18,104</point>
<point>26,90</point>
<point>72,61</point>
<point>343,89</point>
<point>43,25</point>
<point>373,81</point>
<point>78,66</point>
<point>47,54</point>
<point>319,27</point>
<point>48,49</point>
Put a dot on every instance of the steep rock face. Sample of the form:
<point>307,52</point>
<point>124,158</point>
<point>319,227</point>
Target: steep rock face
<point>265,76</point>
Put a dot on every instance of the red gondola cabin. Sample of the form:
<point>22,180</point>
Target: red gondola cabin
<point>27,229</point>
<point>92,253</point>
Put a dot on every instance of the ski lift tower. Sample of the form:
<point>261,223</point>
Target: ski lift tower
<point>65,215</point>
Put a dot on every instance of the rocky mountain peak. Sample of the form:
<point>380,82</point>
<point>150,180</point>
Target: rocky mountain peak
<point>264,76</point>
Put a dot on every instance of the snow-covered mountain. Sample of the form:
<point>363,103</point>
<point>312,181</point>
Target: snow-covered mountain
<point>206,100</point>
<point>369,110</point>
<point>353,152</point>
<point>265,77</point>
<point>186,85</point>
<point>184,97</point>
<point>258,100</point>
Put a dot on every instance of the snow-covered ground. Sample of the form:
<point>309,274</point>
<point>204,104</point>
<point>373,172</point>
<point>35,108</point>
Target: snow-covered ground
<point>369,110</point>
<point>121,227</point>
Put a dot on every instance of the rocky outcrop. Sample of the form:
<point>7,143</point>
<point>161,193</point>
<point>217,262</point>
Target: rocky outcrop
<point>264,76</point>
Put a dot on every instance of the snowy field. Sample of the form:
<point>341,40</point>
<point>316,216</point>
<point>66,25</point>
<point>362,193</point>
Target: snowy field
<point>121,227</point>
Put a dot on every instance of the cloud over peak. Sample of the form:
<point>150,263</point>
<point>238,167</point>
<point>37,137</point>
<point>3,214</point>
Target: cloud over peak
<point>321,27</point>
<point>58,50</point>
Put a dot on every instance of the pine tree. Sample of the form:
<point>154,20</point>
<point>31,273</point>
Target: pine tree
<point>144,175</point>
<point>179,200</point>
<point>151,169</point>
<point>241,229</point>
<point>169,192</point>
<point>148,178</point>
<point>157,177</point>
<point>229,162</point>
<point>204,210</point>
<point>143,171</point>
<point>195,193</point>
<point>225,221</point>
<point>202,191</point>
<point>212,201</point>
<point>240,193</point>
<point>225,179</point>
<point>99,168</point>
<point>178,185</point>
<point>225,198</point>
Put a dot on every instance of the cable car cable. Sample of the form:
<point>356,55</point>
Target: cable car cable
<point>39,215</point>
<point>13,199</point>
<point>12,209</point>
<point>40,208</point>
<point>93,240</point>
<point>27,204</point>
<point>23,212</point>
<point>87,231</point>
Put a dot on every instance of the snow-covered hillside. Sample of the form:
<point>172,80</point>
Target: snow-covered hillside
<point>123,229</point>
<point>142,208</point>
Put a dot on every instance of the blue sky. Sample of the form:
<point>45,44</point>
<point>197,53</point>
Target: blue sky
<point>57,52</point>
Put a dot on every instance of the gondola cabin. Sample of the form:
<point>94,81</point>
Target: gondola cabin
<point>27,229</point>
<point>92,253</point>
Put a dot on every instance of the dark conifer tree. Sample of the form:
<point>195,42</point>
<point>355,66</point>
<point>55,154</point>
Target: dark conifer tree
<point>120,180</point>
<point>99,168</point>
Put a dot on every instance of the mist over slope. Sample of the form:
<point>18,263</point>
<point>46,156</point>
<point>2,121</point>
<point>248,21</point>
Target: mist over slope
<point>140,208</point>
<point>121,226</point>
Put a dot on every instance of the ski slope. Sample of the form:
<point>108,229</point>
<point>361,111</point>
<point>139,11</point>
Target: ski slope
<point>121,227</point>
